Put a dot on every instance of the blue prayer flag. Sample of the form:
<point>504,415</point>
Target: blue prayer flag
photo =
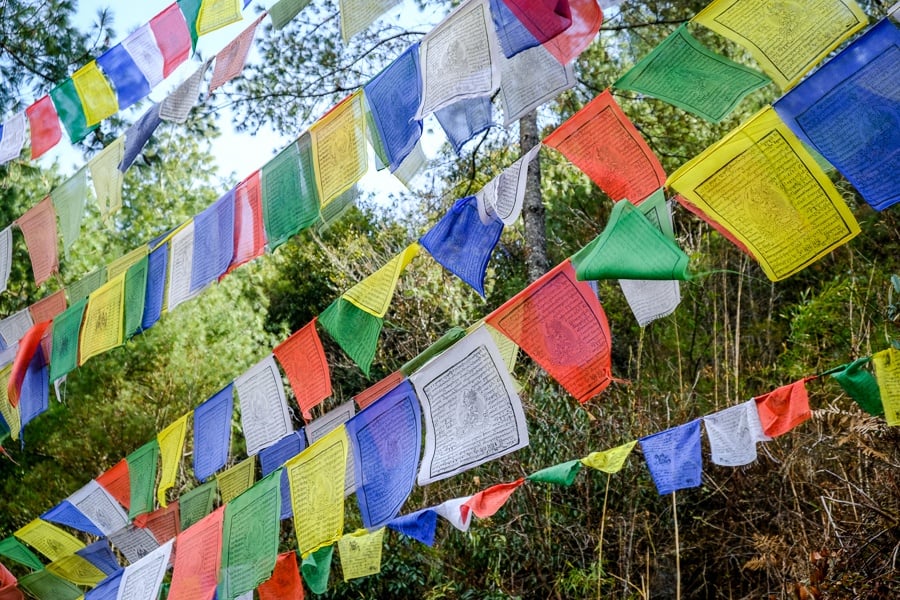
<point>275,456</point>
<point>673,457</point>
<point>137,135</point>
<point>157,262</point>
<point>212,433</point>
<point>65,513</point>
<point>35,394</point>
<point>513,35</point>
<point>420,525</point>
<point>101,556</point>
<point>465,119</point>
<point>108,589</point>
<point>130,84</point>
<point>213,242</point>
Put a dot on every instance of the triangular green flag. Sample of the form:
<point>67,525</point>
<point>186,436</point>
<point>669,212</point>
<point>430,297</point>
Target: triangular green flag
<point>290,201</point>
<point>860,385</point>
<point>68,201</point>
<point>142,465</point>
<point>445,341</point>
<point>630,248</point>
<point>13,549</point>
<point>64,350</point>
<point>70,110</point>
<point>135,294</point>
<point>355,330</point>
<point>46,585</point>
<point>284,10</point>
<point>82,288</point>
<point>197,503</point>
<point>561,474</point>
<point>316,568</point>
<point>250,537</point>
<point>191,11</point>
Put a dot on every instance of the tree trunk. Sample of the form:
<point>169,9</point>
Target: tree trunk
<point>536,260</point>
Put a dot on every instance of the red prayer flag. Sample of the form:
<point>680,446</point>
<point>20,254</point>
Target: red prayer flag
<point>559,322</point>
<point>198,557</point>
<point>172,36</point>
<point>44,123</point>
<point>487,502</point>
<point>163,523</point>
<point>586,20</point>
<point>374,392</point>
<point>8,583</point>
<point>115,481</point>
<point>285,583</point>
<point>249,227</point>
<point>47,308</point>
<point>303,360</point>
<point>601,141</point>
<point>544,19</point>
<point>784,408</point>
<point>28,345</point>
<point>38,225</point>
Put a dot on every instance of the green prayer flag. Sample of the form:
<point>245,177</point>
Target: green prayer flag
<point>860,385</point>
<point>684,73</point>
<point>135,294</point>
<point>656,210</point>
<point>448,339</point>
<point>44,585</point>
<point>561,474</point>
<point>290,201</point>
<point>64,350</point>
<point>191,11</point>
<point>197,503</point>
<point>82,288</point>
<point>142,465</point>
<point>630,247</point>
<point>68,201</point>
<point>284,10</point>
<point>316,568</point>
<point>70,110</point>
<point>13,549</point>
<point>250,537</point>
<point>355,330</point>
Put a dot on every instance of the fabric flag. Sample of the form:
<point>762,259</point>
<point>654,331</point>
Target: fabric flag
<point>445,341</point>
<point>355,330</point>
<point>561,474</point>
<point>761,186</point>
<point>15,326</point>
<point>486,503</point>
<point>420,525</point>
<point>137,136</point>
<point>66,328</point>
<point>340,155</point>
<point>317,429</point>
<point>100,555</point>
<point>157,268</point>
<point>733,433</point>
<point>146,55</point>
<point>97,97</point>
<point>411,166</point>
<point>860,385</point>
<point>472,412</point>
<point>357,15</point>
<point>215,14</point>
<point>609,461</point>
<point>451,511</point>
<point>249,227</point>
<point>684,73</point>
<point>783,409</point>
<point>559,322</point>
<point>15,550</point>
<point>144,577</point>
<point>374,293</point>
<point>178,104</point>
<point>275,456</point>
<point>45,585</point>
<point>163,523</point>
<point>463,120</point>
<point>213,242</point>
<point>887,374</point>
<point>317,478</point>
<point>46,309</point>
<point>361,553</point>
<point>544,20</point>
<point>48,539</point>
<point>458,58</point>
<point>103,328</point>
<point>77,570</point>
<point>191,11</point>
<point>502,197</point>
<point>68,202</point>
<point>38,225</point>
<point>377,390</point>
<point>264,412</point>
<point>250,538</point>
<point>6,243</point>
<point>135,296</point>
<point>230,60</point>
<point>70,110</point>
<point>107,178</point>
<point>130,83</point>
<point>316,568</point>
<point>84,287</point>
<point>290,202</point>
<point>171,449</point>
<point>172,36</point>
<point>13,137</point>
<point>630,247</point>
<point>586,20</point>
<point>848,110</point>
<point>117,481</point>
<point>196,570</point>
<point>142,478</point>
<point>197,503</point>
<point>28,350</point>
<point>134,542</point>
<point>181,265</point>
<point>43,123</point>
<point>283,11</point>
<point>674,458</point>
<point>108,589</point>
<point>212,433</point>
<point>303,360</point>
<point>66,514</point>
<point>99,506</point>
<point>12,416</point>
<point>285,583</point>
<point>8,589</point>
<point>512,34</point>
<point>385,439</point>
<point>601,141</point>
<point>35,392</point>
<point>236,480</point>
<point>786,38</point>
<point>530,79</point>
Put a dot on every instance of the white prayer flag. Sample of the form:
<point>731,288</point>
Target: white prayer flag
<point>6,242</point>
<point>181,261</point>
<point>13,327</point>
<point>177,105</point>
<point>141,580</point>
<point>264,411</point>
<point>502,197</point>
<point>733,434</point>
<point>13,138</point>
<point>651,300</point>
<point>100,507</point>
<point>144,51</point>
<point>529,79</point>
<point>450,510</point>
<point>134,542</point>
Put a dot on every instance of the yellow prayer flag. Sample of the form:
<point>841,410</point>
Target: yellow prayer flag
<point>103,328</point>
<point>123,263</point>
<point>759,185</point>
<point>340,157</point>
<point>235,481</point>
<point>509,351</point>
<point>609,461</point>
<point>887,373</point>
<point>316,477</point>
<point>10,413</point>
<point>97,97</point>
<point>215,14</point>
<point>77,570</point>
<point>48,539</point>
<point>171,448</point>
<point>373,294</point>
<point>107,178</point>
<point>787,39</point>
<point>361,553</point>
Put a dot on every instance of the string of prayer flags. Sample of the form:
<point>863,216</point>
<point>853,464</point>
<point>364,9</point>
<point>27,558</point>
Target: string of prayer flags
<point>355,330</point>
<point>385,439</point>
<point>178,104</point>
<point>887,373</point>
<point>99,506</point>
<point>316,568</point>
<point>66,514</point>
<point>230,60</point>
<point>117,481</point>
<point>420,525</point>
<point>463,120</point>
<point>561,474</point>
<point>43,123</point>
<point>171,449</point>
<point>144,577</point>
<point>462,244</point>
<point>451,511</point>
<point>360,553</point>
<point>264,412</point>
<point>733,434</point>
<point>373,294</point>
<point>71,111</point>
<point>458,58</point>
<point>290,201</point>
<point>472,412</point>
<point>172,37</point>
<point>197,503</point>
<point>317,478</point>
<point>674,458</point>
<point>285,583</point>
<point>142,478</point>
<point>786,39</point>
<point>212,433</point>
<point>196,570</point>
<point>275,456</point>
<point>340,154</point>
<point>157,269</point>
<point>848,111</point>
<point>100,555</point>
<point>45,585</point>
<point>213,242</point>
<point>107,178</point>
<point>134,542</point>
<point>530,79</point>
<point>609,461</point>
<point>234,481</point>
<point>303,359</point>
<point>102,328</point>
<point>13,549</point>
<point>601,141</point>
<point>357,15</point>
<point>487,502</point>
<point>328,422</point>
<point>283,12</point>
<point>783,409</point>
<point>13,137</point>
<point>558,321</point>
<point>6,243</point>
<point>38,225</point>
<point>249,227</point>
<point>586,20</point>
<point>48,539</point>
<point>164,523</point>
<point>137,136</point>
<point>76,570</point>
<point>502,197</point>
<point>68,202</point>
<point>130,84</point>
<point>860,385</point>
<point>760,184</point>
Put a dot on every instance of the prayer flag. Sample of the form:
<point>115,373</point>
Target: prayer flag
<point>12,416</point>
<point>172,37</point>
<point>197,503</point>
<point>213,242</point>
<point>249,227</point>
<point>285,583</point>
<point>6,243</point>
<point>13,137</point>
<point>786,38</point>
<point>103,326</point>
<point>674,458</point>
<point>561,474</point>
<point>355,330</point>
<point>137,136</point>
<point>97,97</point>
<point>283,11</point>
<point>303,360</point>
<point>290,202</point>
<point>130,83</point>
<point>76,570</point>
<point>171,449</point>
<point>143,577</point>
<point>215,14</point>
<point>71,111</point>
<point>601,141</point>
<point>759,184</point>
<point>35,392</point>
<point>340,155</point>
<point>502,197</point>
<point>530,79</point>
<point>15,326</point>
<point>316,568</point>
<point>8,585</point>
<point>586,20</point>
<point>108,589</point>
<point>163,523</point>
<point>236,480</point>
<point>420,525</point>
<point>134,542</point>
<point>38,225</point>
<point>361,553</point>
<point>66,514</point>
<point>28,349</point>
<point>116,480</point>
<point>373,294</point>
<point>190,9</point>
<point>377,390</point>
<point>472,412</point>
<point>212,433</point>
<point>411,166</point>
<point>43,123</point>
<point>544,19</point>
<point>68,202</point>
<point>733,433</point>
<point>100,555</point>
<point>512,34</point>
<point>13,549</point>
<point>45,585</point>
<point>609,461</point>
<point>146,55</point>
<point>451,511</point>
<point>463,120</point>
<point>327,423</point>
<point>783,409</point>
<point>860,385</point>
<point>135,296</point>
<point>157,268</point>
<point>99,506</point>
<point>230,60</point>
<point>84,287</point>
<point>107,178</point>
<point>48,539</point>
<point>196,570</point>
<point>887,373</point>
<point>264,412</point>
<point>142,478</point>
<point>178,104</point>
<point>181,265</point>
<point>275,456</point>
<point>357,15</point>
<point>486,503</point>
